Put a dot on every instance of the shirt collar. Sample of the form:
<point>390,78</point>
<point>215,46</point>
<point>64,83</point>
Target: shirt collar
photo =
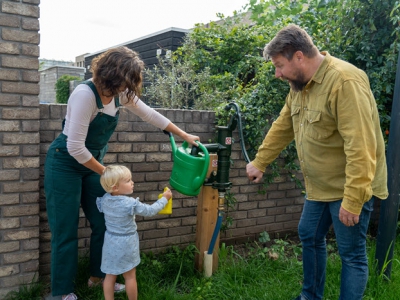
<point>320,74</point>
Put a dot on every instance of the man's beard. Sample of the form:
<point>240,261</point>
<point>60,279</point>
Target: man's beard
<point>298,83</point>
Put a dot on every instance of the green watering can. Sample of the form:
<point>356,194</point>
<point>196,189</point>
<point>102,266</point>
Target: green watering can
<point>190,167</point>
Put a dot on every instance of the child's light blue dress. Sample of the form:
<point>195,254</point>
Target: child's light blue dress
<point>121,241</point>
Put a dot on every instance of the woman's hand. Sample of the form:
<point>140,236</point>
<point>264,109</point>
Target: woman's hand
<point>191,139</point>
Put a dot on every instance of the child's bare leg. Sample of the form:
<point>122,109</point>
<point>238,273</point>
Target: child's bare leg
<point>131,284</point>
<point>108,286</point>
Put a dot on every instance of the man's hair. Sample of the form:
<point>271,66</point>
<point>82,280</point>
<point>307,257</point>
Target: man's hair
<point>288,41</point>
<point>112,175</point>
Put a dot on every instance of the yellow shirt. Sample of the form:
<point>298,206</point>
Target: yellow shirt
<point>335,123</point>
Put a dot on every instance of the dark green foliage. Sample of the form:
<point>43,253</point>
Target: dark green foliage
<point>362,32</point>
<point>62,88</point>
<point>214,65</point>
<point>228,56</point>
<point>226,64</point>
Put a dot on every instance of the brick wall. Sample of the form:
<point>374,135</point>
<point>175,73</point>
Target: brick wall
<point>147,152</point>
<point>19,143</point>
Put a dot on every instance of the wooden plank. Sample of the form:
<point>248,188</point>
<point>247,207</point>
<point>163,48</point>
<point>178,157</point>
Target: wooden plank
<point>207,213</point>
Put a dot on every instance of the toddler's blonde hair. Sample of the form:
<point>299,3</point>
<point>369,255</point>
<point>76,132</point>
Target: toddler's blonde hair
<point>112,175</point>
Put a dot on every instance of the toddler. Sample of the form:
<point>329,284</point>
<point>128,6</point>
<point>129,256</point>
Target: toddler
<point>121,241</point>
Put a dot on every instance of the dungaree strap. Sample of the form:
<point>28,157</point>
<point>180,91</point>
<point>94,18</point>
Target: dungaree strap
<point>117,103</point>
<point>94,90</point>
<point>98,99</point>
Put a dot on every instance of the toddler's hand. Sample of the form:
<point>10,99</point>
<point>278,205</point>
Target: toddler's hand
<point>167,193</point>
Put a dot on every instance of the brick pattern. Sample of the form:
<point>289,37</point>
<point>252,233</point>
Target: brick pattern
<point>146,150</point>
<point>19,143</point>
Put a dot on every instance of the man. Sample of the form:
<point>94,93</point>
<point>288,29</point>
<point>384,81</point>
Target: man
<point>332,115</point>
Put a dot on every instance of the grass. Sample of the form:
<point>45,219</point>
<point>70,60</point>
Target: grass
<point>28,291</point>
<point>262,270</point>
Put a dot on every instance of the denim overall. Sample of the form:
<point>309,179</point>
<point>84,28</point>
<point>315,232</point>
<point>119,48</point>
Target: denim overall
<point>69,185</point>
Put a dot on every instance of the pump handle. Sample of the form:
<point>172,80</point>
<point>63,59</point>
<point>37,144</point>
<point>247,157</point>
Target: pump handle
<point>195,150</point>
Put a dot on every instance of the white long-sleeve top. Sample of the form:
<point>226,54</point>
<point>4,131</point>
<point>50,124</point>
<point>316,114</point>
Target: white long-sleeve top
<point>82,109</point>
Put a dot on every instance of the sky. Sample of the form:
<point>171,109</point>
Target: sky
<point>70,28</point>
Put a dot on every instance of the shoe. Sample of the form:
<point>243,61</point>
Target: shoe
<point>118,287</point>
<point>70,296</point>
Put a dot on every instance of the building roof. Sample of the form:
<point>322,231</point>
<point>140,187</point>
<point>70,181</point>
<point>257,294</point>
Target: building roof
<point>141,38</point>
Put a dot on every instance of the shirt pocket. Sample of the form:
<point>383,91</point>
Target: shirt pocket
<point>316,127</point>
<point>295,114</point>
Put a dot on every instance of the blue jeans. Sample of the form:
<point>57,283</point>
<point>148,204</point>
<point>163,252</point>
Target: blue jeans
<point>315,221</point>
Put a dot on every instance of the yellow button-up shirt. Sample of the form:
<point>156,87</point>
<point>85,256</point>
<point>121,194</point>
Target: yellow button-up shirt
<point>335,123</point>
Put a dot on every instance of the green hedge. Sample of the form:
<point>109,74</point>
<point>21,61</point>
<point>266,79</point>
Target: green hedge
<point>62,88</point>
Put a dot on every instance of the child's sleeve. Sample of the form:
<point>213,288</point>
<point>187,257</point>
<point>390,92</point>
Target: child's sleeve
<point>99,202</point>
<point>147,210</point>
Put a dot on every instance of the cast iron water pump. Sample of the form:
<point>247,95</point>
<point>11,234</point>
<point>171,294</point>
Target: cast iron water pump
<point>223,148</point>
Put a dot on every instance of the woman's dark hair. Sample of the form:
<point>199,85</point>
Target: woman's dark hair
<point>116,68</point>
<point>288,41</point>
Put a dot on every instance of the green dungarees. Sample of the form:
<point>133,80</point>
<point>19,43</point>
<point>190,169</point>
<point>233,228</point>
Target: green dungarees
<point>69,185</point>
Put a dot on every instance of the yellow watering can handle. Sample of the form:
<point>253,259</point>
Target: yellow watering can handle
<point>167,210</point>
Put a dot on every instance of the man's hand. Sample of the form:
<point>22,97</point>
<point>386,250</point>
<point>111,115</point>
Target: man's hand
<point>347,218</point>
<point>254,174</point>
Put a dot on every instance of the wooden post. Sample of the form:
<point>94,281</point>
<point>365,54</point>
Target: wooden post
<point>207,213</point>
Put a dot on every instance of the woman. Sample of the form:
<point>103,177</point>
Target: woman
<point>74,161</point>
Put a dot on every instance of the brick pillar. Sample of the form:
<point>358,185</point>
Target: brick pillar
<point>19,143</point>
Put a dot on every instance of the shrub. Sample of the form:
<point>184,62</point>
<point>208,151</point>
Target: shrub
<point>62,88</point>
<point>225,61</point>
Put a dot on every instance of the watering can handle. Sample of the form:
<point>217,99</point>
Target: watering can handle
<point>167,133</point>
<point>206,156</point>
<point>195,149</point>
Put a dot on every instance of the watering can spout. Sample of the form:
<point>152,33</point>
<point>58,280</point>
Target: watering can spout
<point>190,167</point>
